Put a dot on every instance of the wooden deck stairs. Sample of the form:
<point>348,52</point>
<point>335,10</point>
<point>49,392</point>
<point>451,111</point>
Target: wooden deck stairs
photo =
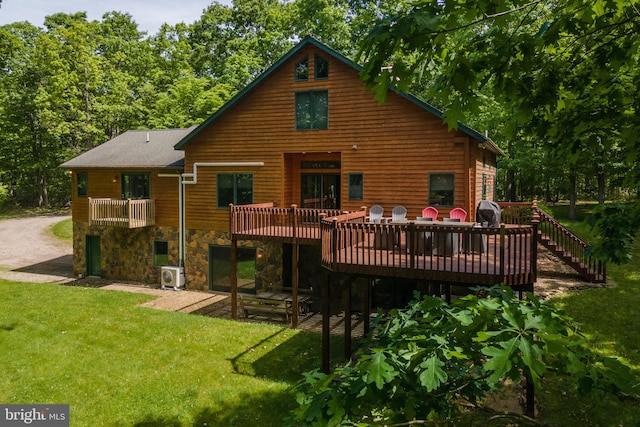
<point>569,248</point>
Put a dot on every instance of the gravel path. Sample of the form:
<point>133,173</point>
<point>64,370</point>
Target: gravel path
<point>29,252</point>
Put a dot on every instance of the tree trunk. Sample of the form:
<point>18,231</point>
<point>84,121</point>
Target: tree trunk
<point>572,195</point>
<point>601,185</point>
<point>510,184</point>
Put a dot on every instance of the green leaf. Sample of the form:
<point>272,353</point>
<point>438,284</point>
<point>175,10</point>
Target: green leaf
<point>378,371</point>
<point>432,375</point>
<point>531,356</point>
<point>483,336</point>
<point>500,358</point>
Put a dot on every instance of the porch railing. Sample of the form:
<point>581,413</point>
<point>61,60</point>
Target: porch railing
<point>267,220</point>
<point>129,213</point>
<point>570,248</point>
<point>474,255</point>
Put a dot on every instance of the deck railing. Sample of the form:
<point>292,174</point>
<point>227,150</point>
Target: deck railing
<point>470,255</point>
<point>267,220</point>
<point>129,213</point>
<point>571,248</point>
<point>516,212</point>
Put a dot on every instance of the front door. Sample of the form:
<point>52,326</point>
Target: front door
<point>320,191</point>
<point>93,256</point>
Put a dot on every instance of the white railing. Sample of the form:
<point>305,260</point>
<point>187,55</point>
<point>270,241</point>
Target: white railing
<point>130,213</point>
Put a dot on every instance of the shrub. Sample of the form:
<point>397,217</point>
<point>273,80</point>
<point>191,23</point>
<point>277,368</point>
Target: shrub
<point>432,360</point>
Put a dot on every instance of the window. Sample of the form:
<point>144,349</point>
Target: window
<point>441,189</point>
<point>160,253</point>
<point>312,109</point>
<point>321,67</point>
<point>301,71</point>
<point>81,184</point>
<point>356,186</point>
<point>236,188</point>
<point>136,186</point>
<point>220,269</point>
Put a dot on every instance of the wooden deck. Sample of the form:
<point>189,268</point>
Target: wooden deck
<point>440,253</point>
<point>460,253</point>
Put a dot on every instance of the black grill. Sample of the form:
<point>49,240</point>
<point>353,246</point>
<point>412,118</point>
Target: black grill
<point>488,211</point>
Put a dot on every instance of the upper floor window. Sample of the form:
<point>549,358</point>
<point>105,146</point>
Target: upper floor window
<point>81,184</point>
<point>301,71</point>
<point>356,186</point>
<point>312,109</point>
<point>321,67</point>
<point>442,189</point>
<point>136,186</point>
<point>236,188</point>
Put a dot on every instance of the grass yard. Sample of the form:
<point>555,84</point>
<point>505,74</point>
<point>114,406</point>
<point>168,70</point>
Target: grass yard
<point>611,319</point>
<point>118,364</point>
<point>63,230</point>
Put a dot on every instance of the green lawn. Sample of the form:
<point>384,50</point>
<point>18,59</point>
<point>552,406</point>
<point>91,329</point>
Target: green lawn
<point>611,319</point>
<point>63,230</point>
<point>118,364</point>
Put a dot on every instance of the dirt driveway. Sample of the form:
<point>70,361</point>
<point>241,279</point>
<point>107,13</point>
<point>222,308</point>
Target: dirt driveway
<point>29,252</point>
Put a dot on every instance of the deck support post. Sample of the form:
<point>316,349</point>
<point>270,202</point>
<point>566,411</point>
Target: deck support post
<point>530,400</point>
<point>326,294</point>
<point>367,306</point>
<point>347,322</point>
<point>234,279</point>
<point>294,285</point>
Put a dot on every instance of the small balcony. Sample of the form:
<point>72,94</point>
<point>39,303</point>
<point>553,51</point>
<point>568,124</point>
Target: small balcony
<point>130,213</point>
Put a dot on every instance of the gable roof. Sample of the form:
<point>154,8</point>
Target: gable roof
<point>308,40</point>
<point>135,149</point>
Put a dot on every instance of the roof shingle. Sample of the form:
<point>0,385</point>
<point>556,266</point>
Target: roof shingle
<point>132,149</point>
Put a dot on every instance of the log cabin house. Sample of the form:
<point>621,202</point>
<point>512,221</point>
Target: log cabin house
<point>271,193</point>
<point>304,135</point>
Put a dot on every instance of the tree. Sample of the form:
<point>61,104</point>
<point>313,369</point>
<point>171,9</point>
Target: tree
<point>433,359</point>
<point>567,70</point>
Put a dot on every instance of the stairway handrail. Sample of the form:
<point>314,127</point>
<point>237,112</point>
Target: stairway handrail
<point>570,245</point>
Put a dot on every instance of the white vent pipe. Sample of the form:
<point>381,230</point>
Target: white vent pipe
<point>194,174</point>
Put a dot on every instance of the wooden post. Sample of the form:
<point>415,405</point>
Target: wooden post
<point>294,285</point>
<point>534,244</point>
<point>347,321</point>
<point>234,279</point>
<point>367,306</point>
<point>326,294</point>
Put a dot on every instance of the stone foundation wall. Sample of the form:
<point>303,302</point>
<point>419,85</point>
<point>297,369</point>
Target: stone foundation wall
<point>268,261</point>
<point>125,254</point>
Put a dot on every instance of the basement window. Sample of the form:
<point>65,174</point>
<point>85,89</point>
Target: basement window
<point>160,253</point>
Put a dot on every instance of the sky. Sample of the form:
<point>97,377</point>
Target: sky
<point>148,14</point>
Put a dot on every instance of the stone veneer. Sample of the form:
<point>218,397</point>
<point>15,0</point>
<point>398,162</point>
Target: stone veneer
<point>268,266</point>
<point>125,254</point>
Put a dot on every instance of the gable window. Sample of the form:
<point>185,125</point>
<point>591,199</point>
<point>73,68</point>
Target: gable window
<point>312,109</point>
<point>321,67</point>
<point>356,186</point>
<point>160,253</point>
<point>236,188</point>
<point>301,70</point>
<point>136,186</point>
<point>441,189</point>
<point>81,184</point>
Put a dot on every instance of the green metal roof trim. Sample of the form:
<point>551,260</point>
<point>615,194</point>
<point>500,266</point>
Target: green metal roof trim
<point>308,40</point>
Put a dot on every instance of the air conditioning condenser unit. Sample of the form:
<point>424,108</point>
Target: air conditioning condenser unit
<point>172,277</point>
